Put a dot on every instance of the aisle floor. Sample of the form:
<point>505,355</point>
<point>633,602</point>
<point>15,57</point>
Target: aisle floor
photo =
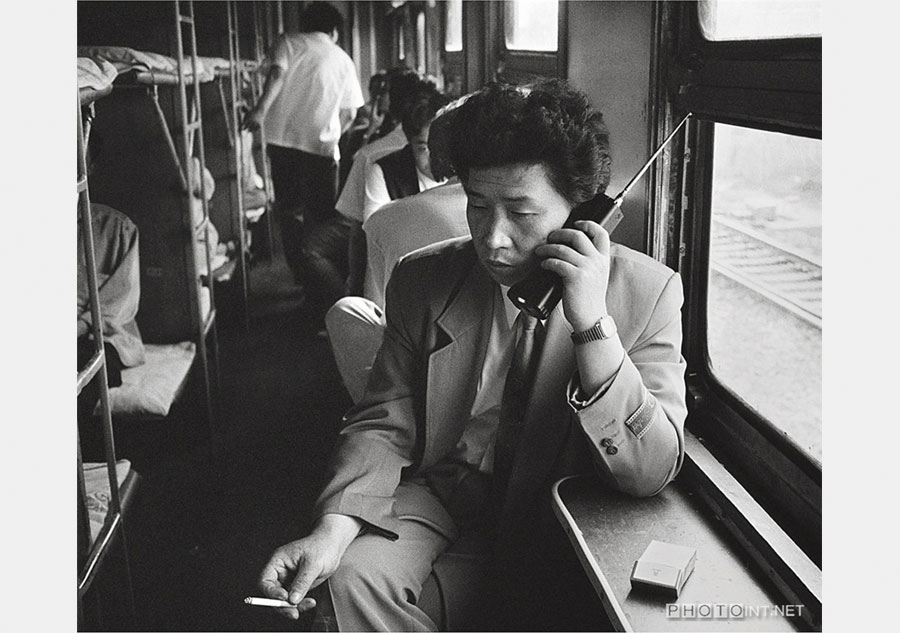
<point>203,527</point>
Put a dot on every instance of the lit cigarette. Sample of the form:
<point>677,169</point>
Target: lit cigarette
<point>268,602</point>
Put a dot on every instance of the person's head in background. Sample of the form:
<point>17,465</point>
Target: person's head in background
<point>321,17</point>
<point>378,92</point>
<point>404,87</point>
<point>416,125</point>
<point>526,156</point>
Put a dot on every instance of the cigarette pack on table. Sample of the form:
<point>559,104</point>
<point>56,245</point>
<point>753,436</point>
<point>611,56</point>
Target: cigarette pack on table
<point>663,567</point>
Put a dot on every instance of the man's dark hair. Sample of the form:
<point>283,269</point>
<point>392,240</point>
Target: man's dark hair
<point>320,16</point>
<point>422,111</point>
<point>547,123</point>
<point>404,88</point>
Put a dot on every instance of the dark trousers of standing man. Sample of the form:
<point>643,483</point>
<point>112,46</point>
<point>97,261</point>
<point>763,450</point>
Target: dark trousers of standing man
<point>305,194</point>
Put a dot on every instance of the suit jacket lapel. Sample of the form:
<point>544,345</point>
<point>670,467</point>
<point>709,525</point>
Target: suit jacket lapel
<point>453,370</point>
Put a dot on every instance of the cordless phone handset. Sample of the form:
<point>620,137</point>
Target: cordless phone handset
<point>539,293</point>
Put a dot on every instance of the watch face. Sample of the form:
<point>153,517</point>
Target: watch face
<point>601,330</point>
<point>607,326</point>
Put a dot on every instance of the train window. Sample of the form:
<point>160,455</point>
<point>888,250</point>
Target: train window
<point>420,42</point>
<point>453,33</point>
<point>764,301</point>
<point>530,38</point>
<point>401,42</point>
<point>750,216</point>
<point>759,19</point>
<point>531,25</point>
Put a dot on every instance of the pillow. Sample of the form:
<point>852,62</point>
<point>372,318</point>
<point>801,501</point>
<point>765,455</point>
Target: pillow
<point>151,388</point>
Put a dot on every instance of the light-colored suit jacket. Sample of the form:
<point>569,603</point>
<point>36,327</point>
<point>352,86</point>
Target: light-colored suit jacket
<point>423,382</point>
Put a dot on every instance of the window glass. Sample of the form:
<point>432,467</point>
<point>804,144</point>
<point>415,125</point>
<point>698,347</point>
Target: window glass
<point>453,36</point>
<point>531,25</point>
<point>420,42</point>
<point>759,19</point>
<point>764,308</point>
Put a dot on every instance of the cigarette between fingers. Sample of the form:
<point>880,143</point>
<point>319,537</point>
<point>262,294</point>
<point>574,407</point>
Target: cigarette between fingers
<point>271,602</point>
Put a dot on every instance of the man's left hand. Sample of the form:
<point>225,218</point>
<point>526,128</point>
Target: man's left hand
<point>580,256</point>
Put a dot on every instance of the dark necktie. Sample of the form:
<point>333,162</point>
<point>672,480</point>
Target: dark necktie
<point>515,397</point>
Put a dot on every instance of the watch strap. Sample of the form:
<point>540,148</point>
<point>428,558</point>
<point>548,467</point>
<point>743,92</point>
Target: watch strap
<point>603,329</point>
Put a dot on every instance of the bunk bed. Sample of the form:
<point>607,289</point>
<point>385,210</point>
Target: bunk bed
<point>168,199</point>
<point>148,390</point>
<point>246,77</point>
<point>248,195</point>
<point>143,68</point>
<point>95,79</point>
<point>105,489</point>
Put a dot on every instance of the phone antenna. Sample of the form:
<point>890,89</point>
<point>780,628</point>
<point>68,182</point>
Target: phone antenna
<point>649,162</point>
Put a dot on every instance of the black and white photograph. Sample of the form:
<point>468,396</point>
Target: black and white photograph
<point>448,315</point>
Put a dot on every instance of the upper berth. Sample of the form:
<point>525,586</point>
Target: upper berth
<point>95,79</point>
<point>153,68</point>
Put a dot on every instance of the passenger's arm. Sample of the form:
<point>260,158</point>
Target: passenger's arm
<point>274,83</point>
<point>634,422</point>
<point>376,191</point>
<point>346,117</point>
<point>304,564</point>
<point>119,287</point>
<point>356,256</point>
<point>374,281</point>
<point>375,196</point>
<point>631,405</point>
<point>379,435</point>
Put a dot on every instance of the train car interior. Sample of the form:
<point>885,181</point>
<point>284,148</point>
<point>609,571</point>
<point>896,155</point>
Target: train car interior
<point>200,458</point>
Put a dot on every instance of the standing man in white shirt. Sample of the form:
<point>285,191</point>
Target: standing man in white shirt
<point>310,97</point>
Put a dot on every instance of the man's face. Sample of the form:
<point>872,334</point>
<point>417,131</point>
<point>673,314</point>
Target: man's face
<point>511,210</point>
<point>419,144</point>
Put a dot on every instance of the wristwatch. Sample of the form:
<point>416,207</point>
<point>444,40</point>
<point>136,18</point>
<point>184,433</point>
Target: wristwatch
<point>600,331</point>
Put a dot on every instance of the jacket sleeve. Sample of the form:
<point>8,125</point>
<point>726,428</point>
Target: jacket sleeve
<point>379,434</point>
<point>119,285</point>
<point>634,424</point>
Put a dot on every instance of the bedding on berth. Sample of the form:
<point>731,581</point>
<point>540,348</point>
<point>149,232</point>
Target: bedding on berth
<point>96,484</point>
<point>153,67</point>
<point>95,78</point>
<point>149,390</point>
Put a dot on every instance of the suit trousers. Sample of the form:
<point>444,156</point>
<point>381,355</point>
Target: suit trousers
<point>379,583</point>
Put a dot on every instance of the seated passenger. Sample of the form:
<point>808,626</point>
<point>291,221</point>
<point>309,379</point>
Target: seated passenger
<point>404,86</point>
<point>473,411</point>
<point>406,171</point>
<point>119,284</point>
<point>356,324</point>
<point>369,120</point>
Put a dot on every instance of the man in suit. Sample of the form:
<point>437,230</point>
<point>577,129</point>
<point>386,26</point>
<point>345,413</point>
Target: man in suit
<point>451,453</point>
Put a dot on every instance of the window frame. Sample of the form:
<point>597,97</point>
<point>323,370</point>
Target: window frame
<point>514,65</point>
<point>452,63</point>
<point>750,84</point>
